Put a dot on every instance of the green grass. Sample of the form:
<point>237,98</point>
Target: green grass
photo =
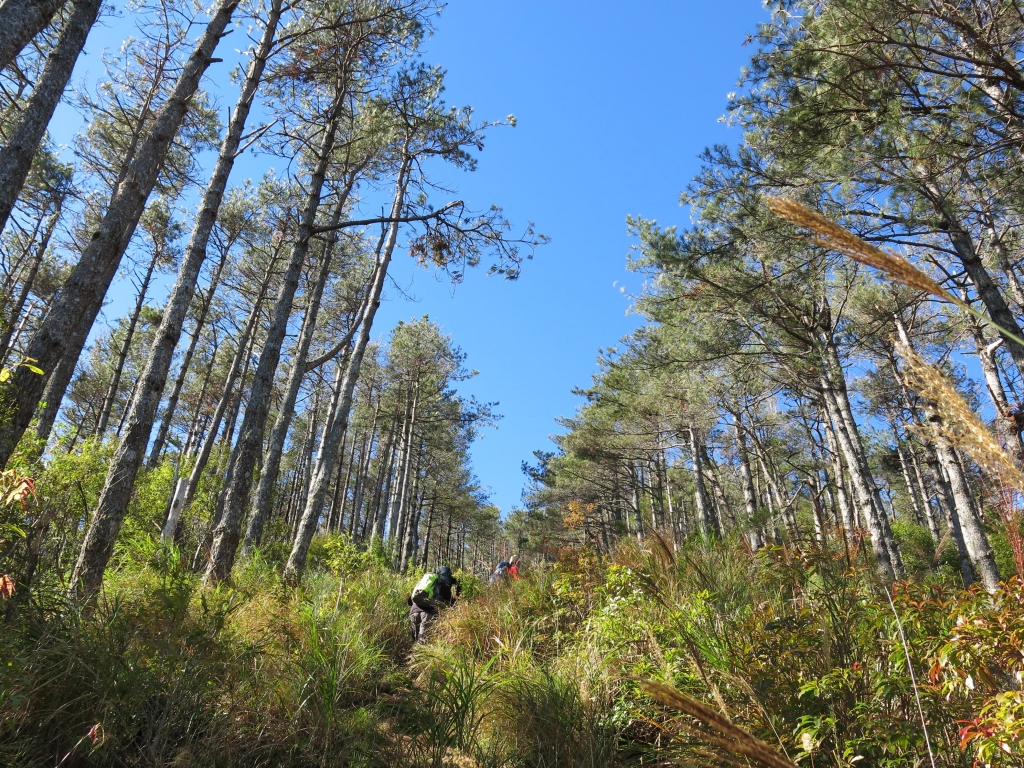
<point>790,644</point>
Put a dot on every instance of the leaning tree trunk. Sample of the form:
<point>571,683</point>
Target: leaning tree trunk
<point>332,439</point>
<point>185,489</point>
<point>705,511</point>
<point>124,468</point>
<point>26,286</point>
<point>186,364</point>
<point>974,537</point>
<point>64,331</point>
<point>883,559</point>
<point>272,460</point>
<point>227,532</point>
<point>835,384</point>
<point>1008,423</point>
<point>27,133</point>
<point>987,289</point>
<point>122,356</point>
<point>20,21</point>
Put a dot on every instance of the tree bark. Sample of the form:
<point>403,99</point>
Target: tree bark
<point>186,362</point>
<point>56,385</point>
<point>883,559</point>
<point>987,289</point>
<point>64,331</point>
<point>272,458</point>
<point>227,533</point>
<point>706,516</point>
<point>26,286</point>
<point>122,356</point>
<point>27,133</point>
<point>185,489</point>
<point>974,537</point>
<point>332,439</point>
<point>20,21</point>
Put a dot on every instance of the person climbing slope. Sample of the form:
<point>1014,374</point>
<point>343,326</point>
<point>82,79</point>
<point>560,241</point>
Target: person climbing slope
<point>434,591</point>
<point>500,573</point>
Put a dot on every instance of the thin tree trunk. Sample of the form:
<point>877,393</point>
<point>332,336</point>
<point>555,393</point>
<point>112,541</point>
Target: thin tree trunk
<point>64,331</point>
<point>974,537</point>
<point>705,511</point>
<point>1008,424</point>
<point>929,514</point>
<point>27,133</point>
<point>384,459</point>
<point>115,381</point>
<point>883,559</point>
<point>26,286</point>
<point>987,289</point>
<point>185,489</point>
<point>186,362</point>
<point>905,468</point>
<point>227,533</point>
<point>321,480</point>
<point>746,480</point>
<point>272,458</point>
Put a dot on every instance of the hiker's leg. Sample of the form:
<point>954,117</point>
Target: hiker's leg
<point>426,619</point>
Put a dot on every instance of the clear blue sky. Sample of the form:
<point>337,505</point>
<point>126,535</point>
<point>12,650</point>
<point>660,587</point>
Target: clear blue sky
<point>614,103</point>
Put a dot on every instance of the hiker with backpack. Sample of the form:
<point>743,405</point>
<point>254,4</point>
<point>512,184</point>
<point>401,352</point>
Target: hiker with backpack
<point>436,590</point>
<point>500,573</point>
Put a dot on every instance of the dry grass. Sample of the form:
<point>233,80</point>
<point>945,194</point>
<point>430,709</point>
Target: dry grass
<point>834,237</point>
<point>721,732</point>
<point>960,425</point>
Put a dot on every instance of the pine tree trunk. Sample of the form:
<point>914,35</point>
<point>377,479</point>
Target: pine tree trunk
<point>384,460</point>
<point>115,381</point>
<point>321,479</point>
<point>397,529</point>
<point>929,514</point>
<point>706,516</point>
<point>186,362</point>
<point>56,385</point>
<point>905,469</point>
<point>28,131</point>
<point>26,286</point>
<point>883,559</point>
<point>986,288</point>
<point>747,482</point>
<point>64,331</point>
<point>1008,424</point>
<point>20,21</point>
<point>275,450</point>
<point>974,537</point>
<point>185,489</point>
<point>228,531</point>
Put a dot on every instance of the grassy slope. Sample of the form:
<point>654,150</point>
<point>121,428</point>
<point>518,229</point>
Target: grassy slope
<point>794,646</point>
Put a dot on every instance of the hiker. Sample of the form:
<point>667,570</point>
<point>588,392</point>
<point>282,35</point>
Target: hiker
<point>431,593</point>
<point>513,567</point>
<point>500,573</point>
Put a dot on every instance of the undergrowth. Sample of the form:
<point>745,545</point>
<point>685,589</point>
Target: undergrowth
<point>800,647</point>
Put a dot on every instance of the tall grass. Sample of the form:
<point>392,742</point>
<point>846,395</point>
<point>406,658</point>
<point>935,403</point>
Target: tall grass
<point>790,646</point>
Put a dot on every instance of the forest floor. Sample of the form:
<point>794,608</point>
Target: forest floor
<point>650,657</point>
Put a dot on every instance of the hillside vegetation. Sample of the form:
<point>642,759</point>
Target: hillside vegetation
<point>783,527</point>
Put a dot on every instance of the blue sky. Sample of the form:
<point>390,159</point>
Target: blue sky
<point>614,102</point>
